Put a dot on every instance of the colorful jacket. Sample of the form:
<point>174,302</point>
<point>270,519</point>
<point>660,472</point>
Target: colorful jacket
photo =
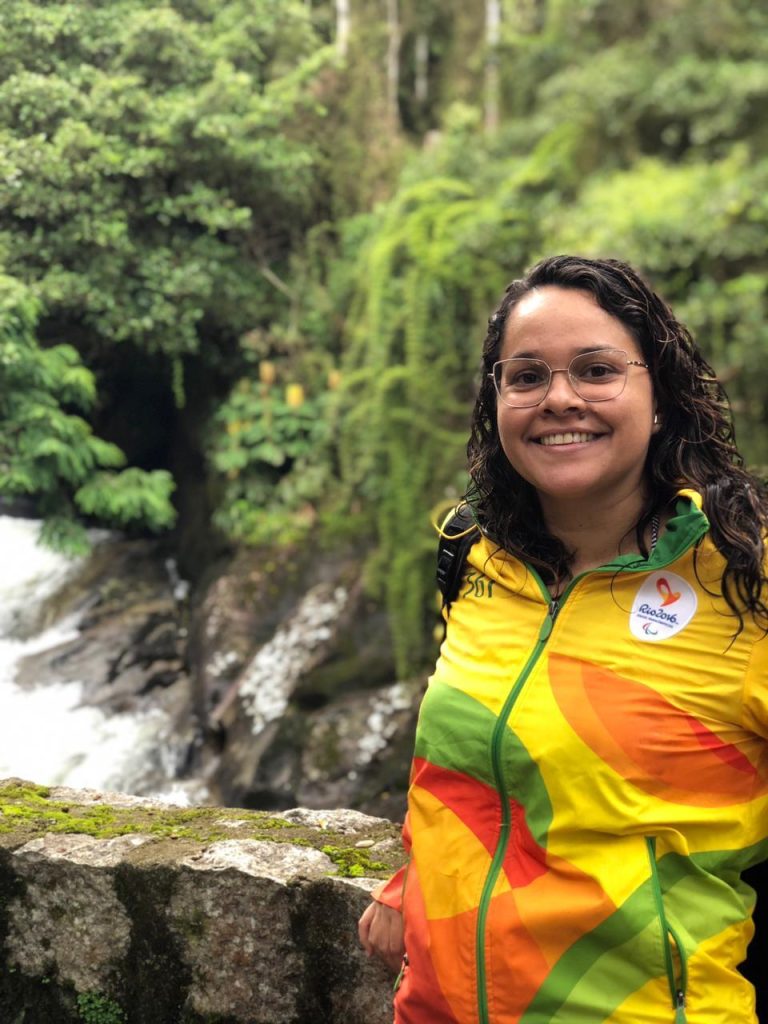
<point>590,779</point>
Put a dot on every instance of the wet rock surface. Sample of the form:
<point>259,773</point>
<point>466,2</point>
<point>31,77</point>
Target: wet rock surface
<point>126,652</point>
<point>245,931</point>
<point>293,676</point>
<point>268,684</point>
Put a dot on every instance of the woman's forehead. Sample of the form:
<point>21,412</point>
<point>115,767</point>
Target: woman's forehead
<point>552,318</point>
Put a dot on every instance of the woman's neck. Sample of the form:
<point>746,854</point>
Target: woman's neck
<point>596,534</point>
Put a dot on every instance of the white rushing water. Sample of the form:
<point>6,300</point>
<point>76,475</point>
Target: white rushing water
<point>46,735</point>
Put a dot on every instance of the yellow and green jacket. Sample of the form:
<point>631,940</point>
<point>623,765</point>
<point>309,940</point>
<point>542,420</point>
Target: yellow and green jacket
<point>590,779</point>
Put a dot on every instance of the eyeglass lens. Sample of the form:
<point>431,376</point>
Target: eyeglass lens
<point>594,376</point>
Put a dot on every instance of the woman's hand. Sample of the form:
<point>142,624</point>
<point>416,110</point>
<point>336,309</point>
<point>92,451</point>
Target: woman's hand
<point>381,933</point>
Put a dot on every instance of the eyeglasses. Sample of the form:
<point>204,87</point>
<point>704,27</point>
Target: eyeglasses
<point>595,376</point>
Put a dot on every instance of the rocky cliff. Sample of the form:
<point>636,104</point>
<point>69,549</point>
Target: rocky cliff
<point>268,684</point>
<point>116,910</point>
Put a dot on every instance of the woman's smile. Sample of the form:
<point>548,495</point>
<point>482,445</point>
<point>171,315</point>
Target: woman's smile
<point>568,438</point>
<point>570,448</point>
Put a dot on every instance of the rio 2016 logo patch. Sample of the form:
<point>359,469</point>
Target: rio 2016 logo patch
<point>664,605</point>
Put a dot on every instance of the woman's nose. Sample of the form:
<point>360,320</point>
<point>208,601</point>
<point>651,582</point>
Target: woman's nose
<point>561,395</point>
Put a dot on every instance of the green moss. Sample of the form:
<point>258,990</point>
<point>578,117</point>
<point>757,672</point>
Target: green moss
<point>352,862</point>
<point>95,1008</point>
<point>13,790</point>
<point>27,809</point>
<point>27,812</point>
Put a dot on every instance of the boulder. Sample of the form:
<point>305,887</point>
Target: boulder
<point>128,910</point>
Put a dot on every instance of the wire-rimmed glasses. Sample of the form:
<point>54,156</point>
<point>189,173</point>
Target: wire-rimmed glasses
<point>595,376</point>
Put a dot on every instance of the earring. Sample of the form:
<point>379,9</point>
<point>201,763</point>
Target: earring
<point>656,421</point>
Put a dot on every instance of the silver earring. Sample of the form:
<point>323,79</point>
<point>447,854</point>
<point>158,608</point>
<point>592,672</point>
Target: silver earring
<point>655,419</point>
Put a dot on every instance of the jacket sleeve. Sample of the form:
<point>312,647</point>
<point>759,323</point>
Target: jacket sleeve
<point>755,699</point>
<point>390,893</point>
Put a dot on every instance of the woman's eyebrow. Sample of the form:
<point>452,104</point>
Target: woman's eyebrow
<point>536,353</point>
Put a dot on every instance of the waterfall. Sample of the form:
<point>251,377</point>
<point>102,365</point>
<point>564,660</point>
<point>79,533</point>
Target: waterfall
<point>47,734</point>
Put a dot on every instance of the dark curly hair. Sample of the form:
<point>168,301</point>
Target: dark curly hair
<point>694,447</point>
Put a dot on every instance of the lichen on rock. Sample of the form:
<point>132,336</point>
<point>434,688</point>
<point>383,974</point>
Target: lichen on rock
<point>173,916</point>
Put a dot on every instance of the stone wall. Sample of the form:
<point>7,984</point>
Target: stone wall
<point>115,910</point>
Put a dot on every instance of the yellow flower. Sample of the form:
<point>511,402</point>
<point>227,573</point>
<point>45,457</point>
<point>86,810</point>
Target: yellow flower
<point>294,395</point>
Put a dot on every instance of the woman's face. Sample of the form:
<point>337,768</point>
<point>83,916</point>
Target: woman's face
<point>568,448</point>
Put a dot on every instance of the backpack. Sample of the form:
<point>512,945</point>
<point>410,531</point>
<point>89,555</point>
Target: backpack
<point>456,538</point>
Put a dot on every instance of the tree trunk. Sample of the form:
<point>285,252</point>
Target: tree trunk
<point>342,27</point>
<point>393,63</point>
<point>492,79</point>
<point>421,64</point>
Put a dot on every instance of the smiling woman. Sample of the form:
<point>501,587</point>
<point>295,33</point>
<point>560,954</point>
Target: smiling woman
<point>580,436</point>
<point>591,765</point>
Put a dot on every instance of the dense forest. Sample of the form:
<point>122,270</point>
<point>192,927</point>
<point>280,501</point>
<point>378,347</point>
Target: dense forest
<point>248,247</point>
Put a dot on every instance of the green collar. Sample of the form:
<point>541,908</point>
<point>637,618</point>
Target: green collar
<point>685,528</point>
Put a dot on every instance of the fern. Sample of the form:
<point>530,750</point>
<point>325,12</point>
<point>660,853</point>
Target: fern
<point>50,453</point>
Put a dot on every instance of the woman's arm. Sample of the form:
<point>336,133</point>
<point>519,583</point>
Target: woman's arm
<point>381,927</point>
<point>381,933</point>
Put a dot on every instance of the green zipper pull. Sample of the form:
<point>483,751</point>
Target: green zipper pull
<point>399,978</point>
<point>680,1017</point>
<point>548,623</point>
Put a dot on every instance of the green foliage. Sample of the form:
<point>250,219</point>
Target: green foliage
<point>52,453</point>
<point>635,132</point>
<point>129,497</point>
<point>426,279</point>
<point>95,1008</point>
<point>205,184</point>
<point>268,441</point>
<point>157,167</point>
<point>153,157</point>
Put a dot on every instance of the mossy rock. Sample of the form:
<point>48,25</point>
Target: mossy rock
<point>29,811</point>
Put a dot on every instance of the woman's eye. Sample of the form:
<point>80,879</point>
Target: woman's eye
<point>525,379</point>
<point>597,371</point>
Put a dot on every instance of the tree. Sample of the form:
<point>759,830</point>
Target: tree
<point>155,166</point>
<point>157,169</point>
<point>299,251</point>
<point>492,79</point>
<point>635,134</point>
<point>393,61</point>
<point>342,26</point>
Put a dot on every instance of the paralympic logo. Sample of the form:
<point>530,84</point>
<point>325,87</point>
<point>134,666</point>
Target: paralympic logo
<point>666,592</point>
<point>664,604</point>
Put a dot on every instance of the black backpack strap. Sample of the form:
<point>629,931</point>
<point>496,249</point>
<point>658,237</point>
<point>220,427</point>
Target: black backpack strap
<point>456,538</point>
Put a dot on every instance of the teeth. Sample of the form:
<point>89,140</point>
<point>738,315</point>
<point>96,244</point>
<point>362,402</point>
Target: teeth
<point>571,437</point>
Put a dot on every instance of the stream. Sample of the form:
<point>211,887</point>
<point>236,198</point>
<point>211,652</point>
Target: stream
<point>48,734</point>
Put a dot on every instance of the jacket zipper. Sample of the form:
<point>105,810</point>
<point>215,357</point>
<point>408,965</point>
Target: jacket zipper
<point>554,606</point>
<point>506,817</point>
<point>677,983</point>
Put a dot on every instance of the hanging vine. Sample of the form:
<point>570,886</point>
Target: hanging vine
<point>414,349</point>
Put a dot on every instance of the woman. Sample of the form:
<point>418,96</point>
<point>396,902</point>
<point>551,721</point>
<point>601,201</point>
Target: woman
<point>591,767</point>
